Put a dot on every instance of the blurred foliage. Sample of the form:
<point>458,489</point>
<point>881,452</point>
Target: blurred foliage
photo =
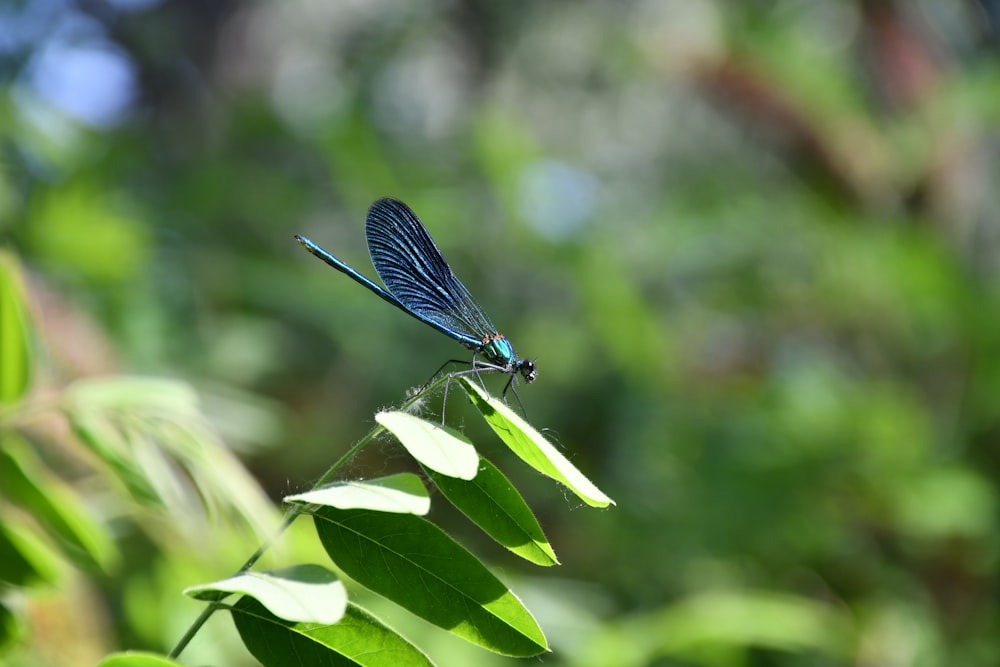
<point>753,247</point>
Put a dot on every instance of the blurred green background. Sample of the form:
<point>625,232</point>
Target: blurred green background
<point>754,249</point>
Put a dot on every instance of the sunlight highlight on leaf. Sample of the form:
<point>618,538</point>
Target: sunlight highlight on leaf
<point>301,594</point>
<point>532,447</point>
<point>419,567</point>
<point>358,639</point>
<point>492,503</point>
<point>15,351</point>
<point>403,493</point>
<point>435,446</point>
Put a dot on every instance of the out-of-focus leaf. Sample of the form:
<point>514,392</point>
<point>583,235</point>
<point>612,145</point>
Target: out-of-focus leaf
<point>396,493</point>
<point>433,445</point>
<point>504,146</point>
<point>154,437</point>
<point>358,639</point>
<point>532,447</point>
<point>25,560</point>
<point>138,659</point>
<point>15,349</point>
<point>79,226</point>
<point>418,566</point>
<point>773,620</point>
<point>24,481</point>
<point>301,593</point>
<point>153,396</point>
<point>947,502</point>
<point>740,619</point>
<point>95,408</point>
<point>8,626</point>
<point>109,446</point>
<point>492,502</point>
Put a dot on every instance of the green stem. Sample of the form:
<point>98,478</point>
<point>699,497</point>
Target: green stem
<point>292,513</point>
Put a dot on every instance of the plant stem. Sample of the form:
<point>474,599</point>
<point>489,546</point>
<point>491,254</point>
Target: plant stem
<point>292,513</point>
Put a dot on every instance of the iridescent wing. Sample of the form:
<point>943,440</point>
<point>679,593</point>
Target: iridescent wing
<point>412,268</point>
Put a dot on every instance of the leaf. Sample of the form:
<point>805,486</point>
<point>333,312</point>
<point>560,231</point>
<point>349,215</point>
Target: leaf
<point>153,436</point>
<point>396,493</point>
<point>416,565</point>
<point>101,437</point>
<point>15,347</point>
<point>433,445</point>
<point>532,447</point>
<point>9,629</point>
<point>301,594</point>
<point>24,481</point>
<point>358,639</point>
<point>492,502</point>
<point>138,659</point>
<point>749,618</point>
<point>25,560</point>
<point>150,395</point>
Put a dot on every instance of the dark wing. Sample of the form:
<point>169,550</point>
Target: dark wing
<point>412,268</point>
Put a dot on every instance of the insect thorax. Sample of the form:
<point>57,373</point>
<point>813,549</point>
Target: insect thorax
<point>498,350</point>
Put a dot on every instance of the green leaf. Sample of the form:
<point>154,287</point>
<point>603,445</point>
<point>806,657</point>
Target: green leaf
<point>301,594</point>
<point>433,445</point>
<point>86,231</point>
<point>745,618</point>
<point>154,438</point>
<point>25,481</point>
<point>138,659</point>
<point>9,628</point>
<point>532,447</point>
<point>358,639</point>
<point>109,445</point>
<point>396,493</point>
<point>159,396</point>
<point>25,560</point>
<point>492,502</point>
<point>15,347</point>
<point>725,623</point>
<point>416,565</point>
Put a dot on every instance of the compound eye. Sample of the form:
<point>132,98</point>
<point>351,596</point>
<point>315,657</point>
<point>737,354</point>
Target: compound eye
<point>528,370</point>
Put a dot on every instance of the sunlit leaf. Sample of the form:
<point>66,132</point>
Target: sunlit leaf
<point>138,659</point>
<point>15,349</point>
<point>532,447</point>
<point>741,619</point>
<point>8,626</point>
<point>107,443</point>
<point>751,618</point>
<point>418,566</point>
<point>57,507</point>
<point>301,594</point>
<point>81,226</point>
<point>358,639</point>
<point>492,502</point>
<point>397,493</point>
<point>433,445</point>
<point>150,395</point>
<point>153,436</point>
<point>25,560</point>
<point>947,501</point>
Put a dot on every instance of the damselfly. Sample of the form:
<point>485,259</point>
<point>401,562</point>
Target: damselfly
<point>420,283</point>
